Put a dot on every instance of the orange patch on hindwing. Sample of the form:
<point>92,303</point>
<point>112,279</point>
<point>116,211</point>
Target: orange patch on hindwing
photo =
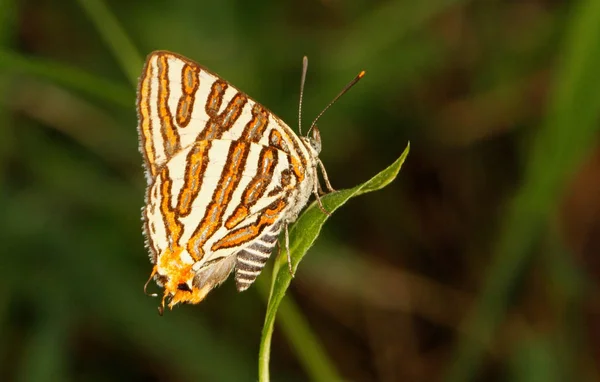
<point>178,273</point>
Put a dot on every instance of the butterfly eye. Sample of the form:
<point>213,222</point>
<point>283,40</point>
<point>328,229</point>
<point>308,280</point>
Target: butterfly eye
<point>315,139</point>
<point>316,135</point>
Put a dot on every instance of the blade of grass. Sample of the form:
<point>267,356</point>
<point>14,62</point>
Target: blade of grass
<point>569,281</point>
<point>115,38</point>
<point>302,235</point>
<point>563,140</point>
<point>69,77</point>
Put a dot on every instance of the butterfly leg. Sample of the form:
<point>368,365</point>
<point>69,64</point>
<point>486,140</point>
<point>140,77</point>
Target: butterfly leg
<point>316,192</point>
<point>325,177</point>
<point>287,248</point>
<point>320,189</point>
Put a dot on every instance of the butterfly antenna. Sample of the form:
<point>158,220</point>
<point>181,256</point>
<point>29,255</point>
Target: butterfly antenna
<point>344,90</point>
<point>302,80</point>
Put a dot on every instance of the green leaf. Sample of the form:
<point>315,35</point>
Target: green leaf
<point>302,236</point>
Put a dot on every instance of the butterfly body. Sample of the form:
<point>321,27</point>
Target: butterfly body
<point>225,177</point>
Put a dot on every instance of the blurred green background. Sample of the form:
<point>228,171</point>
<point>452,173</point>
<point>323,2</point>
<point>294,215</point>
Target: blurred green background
<point>480,262</point>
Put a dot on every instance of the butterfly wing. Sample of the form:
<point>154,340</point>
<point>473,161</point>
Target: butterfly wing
<point>180,102</point>
<point>223,174</point>
<point>200,206</point>
<point>204,222</point>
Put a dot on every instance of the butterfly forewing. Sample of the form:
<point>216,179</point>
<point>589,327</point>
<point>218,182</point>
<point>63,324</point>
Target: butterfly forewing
<point>224,175</point>
<point>180,102</point>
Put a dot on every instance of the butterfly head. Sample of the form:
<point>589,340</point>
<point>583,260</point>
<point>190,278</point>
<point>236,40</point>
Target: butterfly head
<point>313,140</point>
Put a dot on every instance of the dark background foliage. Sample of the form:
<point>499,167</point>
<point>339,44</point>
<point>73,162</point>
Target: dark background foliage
<point>480,262</point>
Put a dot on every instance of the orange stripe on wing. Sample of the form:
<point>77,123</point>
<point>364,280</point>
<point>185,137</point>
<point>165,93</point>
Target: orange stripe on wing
<point>298,169</point>
<point>174,270</point>
<point>190,82</point>
<point>145,126</point>
<point>196,164</point>
<point>212,106</point>
<point>243,235</point>
<point>258,124</point>
<point>256,188</point>
<point>290,137</point>
<point>173,227</point>
<point>213,216</point>
<point>215,98</point>
<point>169,261</point>
<point>168,130</point>
<point>276,140</point>
<point>285,180</point>
<point>220,123</point>
<point>232,111</point>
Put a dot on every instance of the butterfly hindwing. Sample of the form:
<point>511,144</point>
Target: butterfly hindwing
<point>209,190</point>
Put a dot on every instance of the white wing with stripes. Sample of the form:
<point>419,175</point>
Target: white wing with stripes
<point>224,173</point>
<point>180,102</point>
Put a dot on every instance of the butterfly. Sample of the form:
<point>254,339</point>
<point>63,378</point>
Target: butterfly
<point>225,176</point>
